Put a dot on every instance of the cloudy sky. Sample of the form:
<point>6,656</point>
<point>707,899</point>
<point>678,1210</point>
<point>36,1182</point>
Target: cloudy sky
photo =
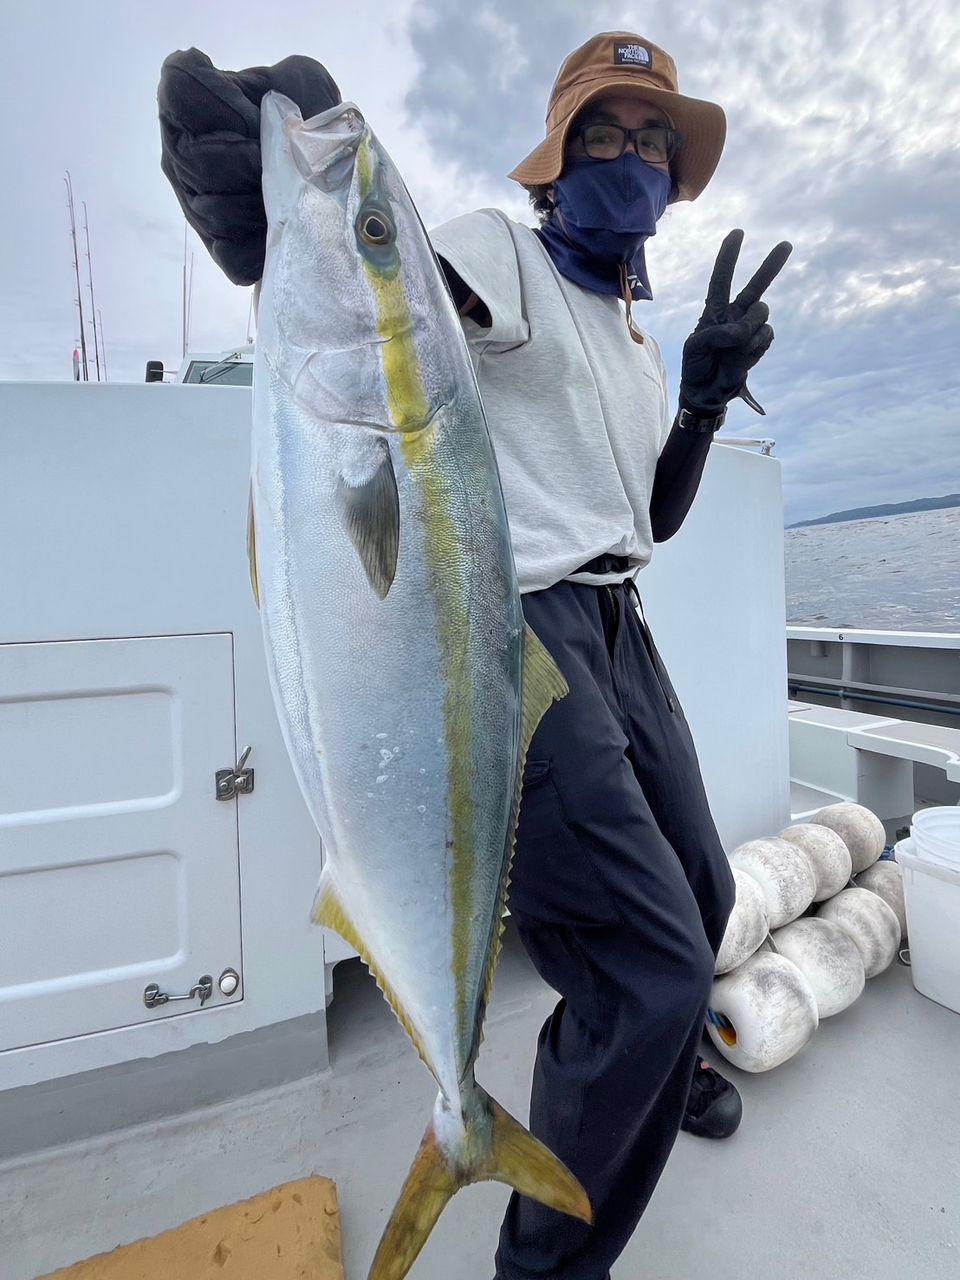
<point>844,137</point>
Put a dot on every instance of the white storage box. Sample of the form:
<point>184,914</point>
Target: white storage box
<point>931,894</point>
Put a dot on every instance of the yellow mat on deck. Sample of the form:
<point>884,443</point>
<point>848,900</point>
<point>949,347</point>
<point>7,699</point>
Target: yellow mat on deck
<point>289,1233</point>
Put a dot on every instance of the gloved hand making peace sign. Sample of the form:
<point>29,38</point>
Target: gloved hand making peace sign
<point>730,337</point>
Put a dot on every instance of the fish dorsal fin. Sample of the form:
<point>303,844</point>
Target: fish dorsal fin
<point>542,685</point>
<point>371,517</point>
<point>329,911</point>
<point>252,548</point>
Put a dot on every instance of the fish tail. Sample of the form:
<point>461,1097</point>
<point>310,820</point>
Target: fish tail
<point>431,1182</point>
<point>492,1147</point>
<point>524,1163</point>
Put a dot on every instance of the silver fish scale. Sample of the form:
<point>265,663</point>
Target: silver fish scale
<point>363,685</point>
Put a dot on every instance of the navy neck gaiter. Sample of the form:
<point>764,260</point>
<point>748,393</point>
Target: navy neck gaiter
<point>605,211</point>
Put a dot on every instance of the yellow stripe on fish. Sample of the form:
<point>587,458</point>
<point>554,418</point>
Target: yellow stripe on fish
<point>448,577</point>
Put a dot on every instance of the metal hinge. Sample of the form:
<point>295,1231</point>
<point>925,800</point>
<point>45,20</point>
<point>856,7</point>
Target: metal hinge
<point>236,781</point>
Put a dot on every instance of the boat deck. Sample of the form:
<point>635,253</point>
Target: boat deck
<point>847,1164</point>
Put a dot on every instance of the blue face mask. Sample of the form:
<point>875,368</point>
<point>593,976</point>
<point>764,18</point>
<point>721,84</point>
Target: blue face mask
<point>605,211</point>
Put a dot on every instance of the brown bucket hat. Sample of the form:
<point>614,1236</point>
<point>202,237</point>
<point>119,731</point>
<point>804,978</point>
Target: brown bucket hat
<point>617,62</point>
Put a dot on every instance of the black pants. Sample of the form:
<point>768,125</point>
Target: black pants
<point>621,891</point>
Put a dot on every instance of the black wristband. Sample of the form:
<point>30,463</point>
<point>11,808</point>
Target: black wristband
<point>691,420</point>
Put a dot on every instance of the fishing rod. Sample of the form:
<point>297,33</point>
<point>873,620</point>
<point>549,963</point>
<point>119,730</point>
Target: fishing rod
<point>93,305</point>
<point>76,268</point>
<point>103,347</point>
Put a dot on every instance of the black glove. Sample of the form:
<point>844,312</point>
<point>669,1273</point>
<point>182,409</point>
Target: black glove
<point>210,147</point>
<point>730,337</point>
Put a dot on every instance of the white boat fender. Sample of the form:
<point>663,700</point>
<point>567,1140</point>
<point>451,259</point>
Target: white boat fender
<point>861,831</point>
<point>783,872</point>
<point>827,854</point>
<point>828,958</point>
<point>870,923</point>
<point>886,880</point>
<point>762,1013</point>
<point>747,926</point>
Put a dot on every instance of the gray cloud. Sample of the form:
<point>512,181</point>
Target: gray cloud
<point>485,73</point>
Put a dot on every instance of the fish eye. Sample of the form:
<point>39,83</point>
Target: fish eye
<point>375,228</point>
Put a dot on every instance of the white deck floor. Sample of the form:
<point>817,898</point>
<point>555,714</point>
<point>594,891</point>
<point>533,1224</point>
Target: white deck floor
<point>847,1165</point>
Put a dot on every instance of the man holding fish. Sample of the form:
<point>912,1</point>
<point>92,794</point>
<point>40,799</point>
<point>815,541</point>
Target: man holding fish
<point>620,888</point>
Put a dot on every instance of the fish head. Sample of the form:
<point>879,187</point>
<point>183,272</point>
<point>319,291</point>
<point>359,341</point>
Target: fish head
<point>359,318</point>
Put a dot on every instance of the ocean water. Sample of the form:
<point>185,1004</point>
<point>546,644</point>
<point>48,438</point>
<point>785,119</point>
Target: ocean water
<point>893,573</point>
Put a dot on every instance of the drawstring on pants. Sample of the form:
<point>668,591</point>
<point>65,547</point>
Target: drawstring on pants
<point>630,587</point>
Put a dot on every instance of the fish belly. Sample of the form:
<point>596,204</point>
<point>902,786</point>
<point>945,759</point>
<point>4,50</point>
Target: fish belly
<point>413,813</point>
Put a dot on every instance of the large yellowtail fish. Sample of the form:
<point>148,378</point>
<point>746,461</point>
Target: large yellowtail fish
<point>406,682</point>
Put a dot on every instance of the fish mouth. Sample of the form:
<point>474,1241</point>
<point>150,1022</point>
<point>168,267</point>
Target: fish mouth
<point>324,147</point>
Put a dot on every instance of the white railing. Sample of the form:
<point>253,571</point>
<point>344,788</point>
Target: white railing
<point>764,443</point>
<point>902,639</point>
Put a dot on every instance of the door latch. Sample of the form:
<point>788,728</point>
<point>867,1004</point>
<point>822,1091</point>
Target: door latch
<point>236,781</point>
<point>203,990</point>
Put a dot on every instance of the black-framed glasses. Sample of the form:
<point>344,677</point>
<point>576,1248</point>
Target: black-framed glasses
<point>655,143</point>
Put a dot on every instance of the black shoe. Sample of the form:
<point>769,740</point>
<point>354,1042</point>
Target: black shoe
<point>714,1107</point>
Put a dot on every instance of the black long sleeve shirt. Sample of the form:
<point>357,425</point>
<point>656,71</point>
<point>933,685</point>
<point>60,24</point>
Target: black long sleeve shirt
<point>677,479</point>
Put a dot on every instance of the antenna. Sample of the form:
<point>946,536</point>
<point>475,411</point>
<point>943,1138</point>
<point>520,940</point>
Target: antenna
<point>187,292</point>
<point>103,349</point>
<point>251,321</point>
<point>93,305</point>
<point>76,268</point>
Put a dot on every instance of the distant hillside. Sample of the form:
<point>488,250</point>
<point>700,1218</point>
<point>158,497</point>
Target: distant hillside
<point>888,509</point>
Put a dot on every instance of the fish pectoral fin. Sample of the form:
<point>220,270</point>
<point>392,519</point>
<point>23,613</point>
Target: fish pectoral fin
<point>370,512</point>
<point>252,548</point>
<point>496,1148</point>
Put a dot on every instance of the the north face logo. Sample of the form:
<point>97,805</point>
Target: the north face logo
<point>634,55</point>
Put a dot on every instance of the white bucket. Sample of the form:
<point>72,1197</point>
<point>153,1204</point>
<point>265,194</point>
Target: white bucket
<point>936,834</point>
<point>931,893</point>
